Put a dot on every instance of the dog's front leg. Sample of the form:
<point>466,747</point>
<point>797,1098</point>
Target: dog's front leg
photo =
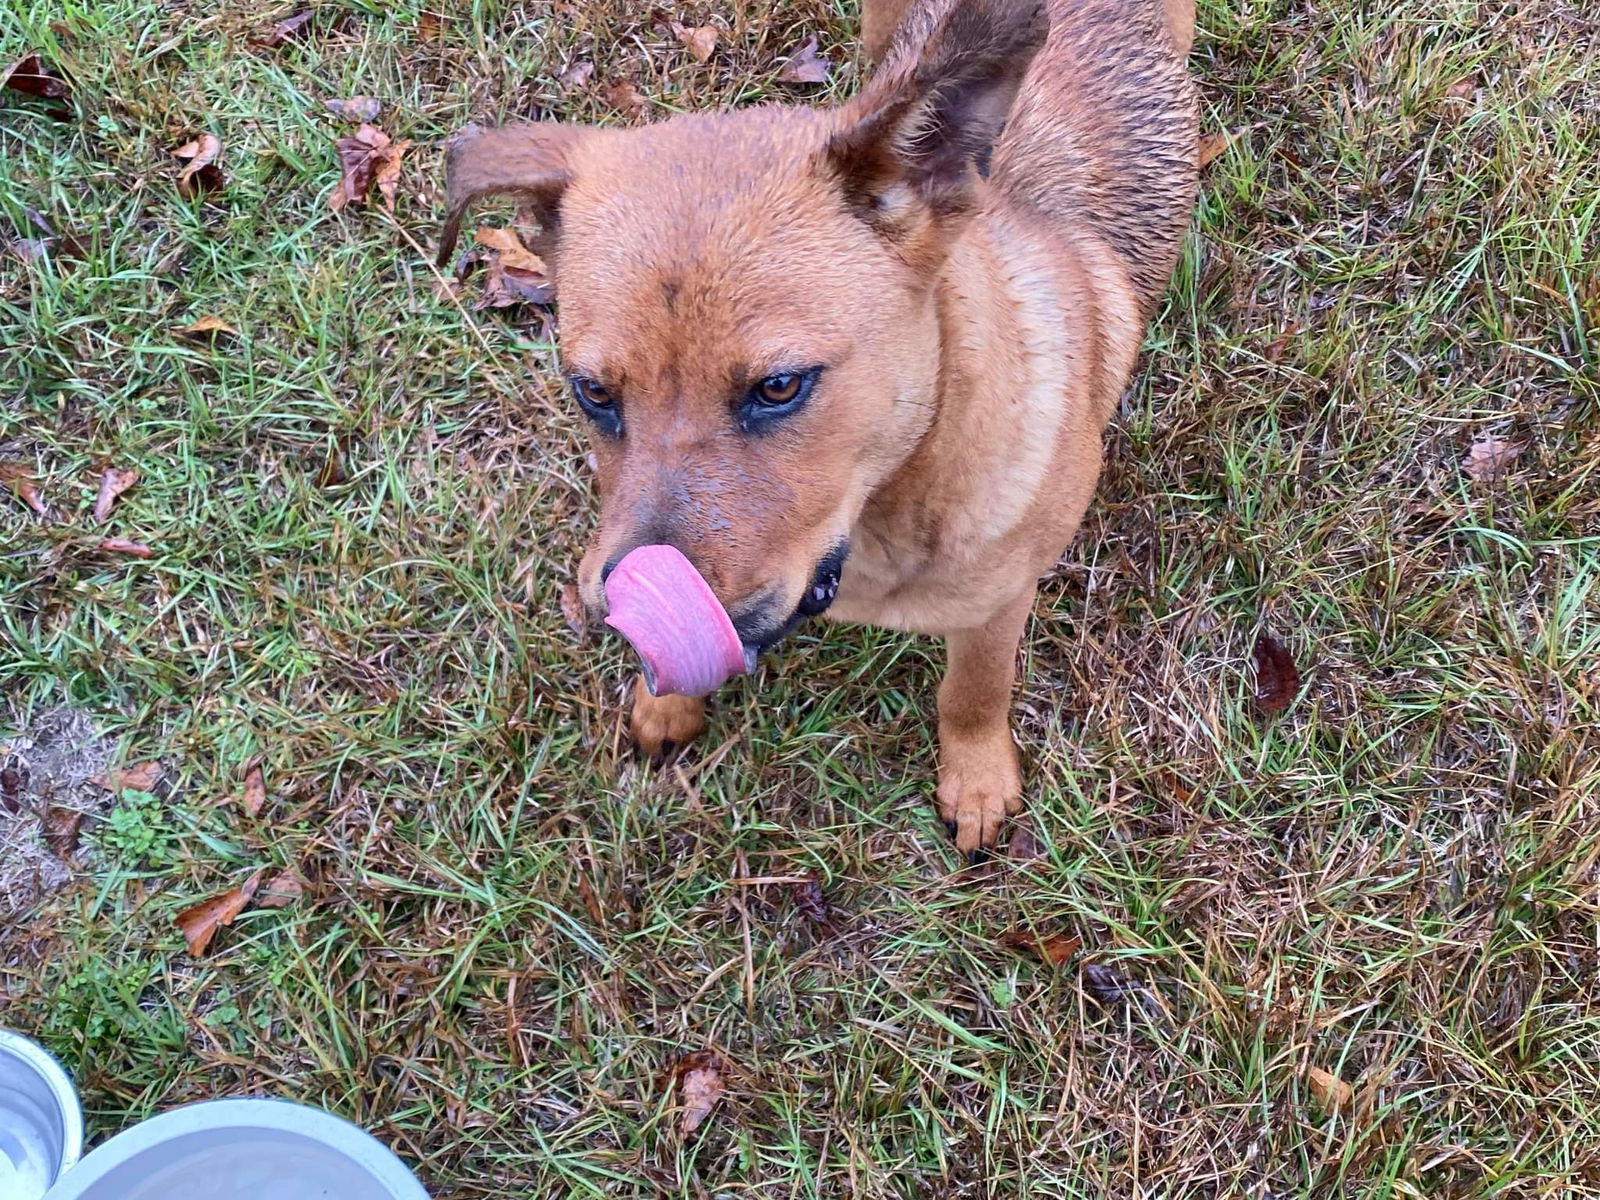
<point>662,725</point>
<point>980,782</point>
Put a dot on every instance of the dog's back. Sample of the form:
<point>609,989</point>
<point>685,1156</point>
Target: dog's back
<point>1103,132</point>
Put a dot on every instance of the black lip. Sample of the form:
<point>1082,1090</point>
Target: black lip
<point>817,598</point>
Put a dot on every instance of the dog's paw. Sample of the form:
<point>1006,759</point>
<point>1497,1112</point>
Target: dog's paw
<point>980,785</point>
<point>663,725</point>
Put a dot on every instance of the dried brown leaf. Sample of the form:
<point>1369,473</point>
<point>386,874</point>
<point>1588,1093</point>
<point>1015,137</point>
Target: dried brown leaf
<point>61,828</point>
<point>357,109</point>
<point>700,41</point>
<point>199,922</point>
<point>576,77</point>
<point>1023,846</point>
<point>1214,145</point>
<point>124,546</point>
<point>512,252</point>
<point>12,785</point>
<point>286,29</point>
<point>572,608</point>
<point>367,157</point>
<point>429,26</point>
<point>280,890</point>
<point>202,174</point>
<point>206,327</point>
<point>1490,458</point>
<point>1275,348</point>
<point>19,478</point>
<point>804,65</point>
<point>113,483</point>
<point>30,76</point>
<point>591,901</point>
<point>1107,986</point>
<point>1328,1090</point>
<point>810,899</point>
<point>1277,678</point>
<point>1464,88</point>
<point>138,777</point>
<point>1052,951</point>
<point>629,99</point>
<point>504,286</point>
<point>700,1086</point>
<point>255,790</point>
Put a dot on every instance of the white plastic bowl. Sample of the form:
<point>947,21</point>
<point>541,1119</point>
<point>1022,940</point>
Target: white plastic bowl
<point>41,1125</point>
<point>240,1150</point>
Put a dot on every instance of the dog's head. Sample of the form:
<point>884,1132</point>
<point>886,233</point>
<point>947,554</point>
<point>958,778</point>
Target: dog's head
<point>748,317</point>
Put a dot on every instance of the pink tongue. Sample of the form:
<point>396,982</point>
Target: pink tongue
<point>687,643</point>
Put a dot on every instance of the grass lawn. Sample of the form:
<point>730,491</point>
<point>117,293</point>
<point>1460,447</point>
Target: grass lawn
<point>363,509</point>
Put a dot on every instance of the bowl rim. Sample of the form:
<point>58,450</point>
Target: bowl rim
<point>46,1066</point>
<point>264,1113</point>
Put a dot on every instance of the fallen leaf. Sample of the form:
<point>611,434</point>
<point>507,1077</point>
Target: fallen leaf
<point>113,483</point>
<point>1490,457</point>
<point>1214,145</point>
<point>576,76</point>
<point>700,41</point>
<point>1464,88</point>
<point>61,828</point>
<point>280,890</point>
<point>1052,951</point>
<point>11,788</point>
<point>139,777</point>
<point>124,546</point>
<point>810,899</point>
<point>30,76</point>
<point>1023,846</point>
<point>1274,349</point>
<point>285,29</point>
<point>591,901</point>
<point>19,479</point>
<point>1107,986</point>
<point>629,99</point>
<point>369,157</point>
<point>199,922</point>
<point>359,109</point>
<point>1181,792</point>
<point>1328,1090</point>
<point>429,26</point>
<point>255,790</point>
<point>512,252</point>
<point>1277,678</point>
<point>805,65</point>
<point>572,608</point>
<point>202,174</point>
<point>206,326</point>
<point>504,286</point>
<point>700,1086</point>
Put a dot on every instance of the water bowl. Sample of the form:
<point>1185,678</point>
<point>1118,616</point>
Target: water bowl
<point>41,1125</point>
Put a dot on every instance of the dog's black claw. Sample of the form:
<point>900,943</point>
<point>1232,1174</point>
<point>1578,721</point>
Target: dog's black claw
<point>977,858</point>
<point>950,827</point>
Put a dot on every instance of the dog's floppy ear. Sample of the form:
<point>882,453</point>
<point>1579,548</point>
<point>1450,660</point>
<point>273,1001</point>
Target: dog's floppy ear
<point>528,160</point>
<point>922,128</point>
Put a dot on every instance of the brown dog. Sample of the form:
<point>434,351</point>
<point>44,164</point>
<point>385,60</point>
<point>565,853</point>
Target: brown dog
<point>860,360</point>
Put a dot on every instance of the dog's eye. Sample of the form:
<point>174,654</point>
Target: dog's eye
<point>771,399</point>
<point>591,394</point>
<point>598,404</point>
<point>778,389</point>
